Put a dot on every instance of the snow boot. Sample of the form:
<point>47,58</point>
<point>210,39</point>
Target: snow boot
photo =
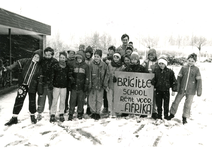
<point>70,117</point>
<point>155,116</point>
<point>62,119</point>
<point>79,116</point>
<point>184,120</point>
<point>39,117</point>
<point>170,117</point>
<point>93,116</point>
<point>13,120</point>
<point>52,118</point>
<point>88,111</point>
<point>97,116</point>
<point>33,120</point>
<point>143,116</point>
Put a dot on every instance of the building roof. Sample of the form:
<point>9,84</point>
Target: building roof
<point>20,23</point>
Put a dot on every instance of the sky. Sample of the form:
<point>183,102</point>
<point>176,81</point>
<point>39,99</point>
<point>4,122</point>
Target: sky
<point>77,18</point>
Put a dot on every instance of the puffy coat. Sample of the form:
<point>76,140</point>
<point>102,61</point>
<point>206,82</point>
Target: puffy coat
<point>164,80</point>
<point>189,80</point>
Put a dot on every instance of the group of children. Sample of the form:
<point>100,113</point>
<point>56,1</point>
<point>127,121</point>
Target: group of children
<point>86,75</point>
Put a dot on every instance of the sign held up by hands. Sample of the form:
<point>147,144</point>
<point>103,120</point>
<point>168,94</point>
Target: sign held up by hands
<point>133,93</point>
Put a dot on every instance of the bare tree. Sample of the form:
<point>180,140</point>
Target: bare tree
<point>149,42</point>
<point>198,41</point>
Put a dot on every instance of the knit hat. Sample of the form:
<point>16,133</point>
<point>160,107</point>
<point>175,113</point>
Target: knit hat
<point>81,45</point>
<point>129,48</point>
<point>193,55</point>
<point>163,60</point>
<point>39,52</point>
<point>98,52</point>
<point>117,54</point>
<point>134,55</point>
<point>63,53</point>
<point>112,48</point>
<point>89,49</point>
<point>153,52</point>
<point>80,54</point>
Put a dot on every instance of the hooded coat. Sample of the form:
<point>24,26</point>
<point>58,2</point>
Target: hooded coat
<point>148,64</point>
<point>80,74</point>
<point>23,66</point>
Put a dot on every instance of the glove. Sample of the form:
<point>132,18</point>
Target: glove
<point>114,79</point>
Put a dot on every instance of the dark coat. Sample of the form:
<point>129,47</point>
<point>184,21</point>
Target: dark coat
<point>22,66</point>
<point>60,76</point>
<point>164,80</point>
<point>135,68</point>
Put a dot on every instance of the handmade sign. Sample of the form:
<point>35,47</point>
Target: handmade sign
<point>133,93</point>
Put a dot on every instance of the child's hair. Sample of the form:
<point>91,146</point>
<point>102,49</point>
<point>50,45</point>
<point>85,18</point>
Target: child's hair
<point>112,48</point>
<point>124,36</point>
<point>130,42</point>
<point>194,56</point>
<point>49,49</point>
<point>130,48</point>
<point>63,53</point>
<point>152,51</point>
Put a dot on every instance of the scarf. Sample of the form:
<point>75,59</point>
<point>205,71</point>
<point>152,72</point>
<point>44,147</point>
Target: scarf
<point>116,64</point>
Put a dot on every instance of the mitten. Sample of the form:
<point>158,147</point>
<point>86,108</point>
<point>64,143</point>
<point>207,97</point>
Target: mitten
<point>114,79</point>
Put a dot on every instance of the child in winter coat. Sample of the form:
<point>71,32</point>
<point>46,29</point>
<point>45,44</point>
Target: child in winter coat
<point>164,80</point>
<point>107,60</point>
<point>98,82</point>
<point>150,64</point>
<point>79,86</point>
<point>134,66</point>
<point>88,60</point>
<point>60,83</point>
<point>47,63</point>
<point>114,65</point>
<point>29,78</point>
<point>189,83</point>
<point>70,62</point>
<point>126,62</point>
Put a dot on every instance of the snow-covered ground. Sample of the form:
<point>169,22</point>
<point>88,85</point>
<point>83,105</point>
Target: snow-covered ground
<point>112,132</point>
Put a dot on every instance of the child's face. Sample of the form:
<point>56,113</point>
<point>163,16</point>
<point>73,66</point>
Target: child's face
<point>48,54</point>
<point>79,59</point>
<point>88,55</point>
<point>151,57</point>
<point>36,58</point>
<point>191,61</point>
<point>134,61</point>
<point>97,58</point>
<point>62,58</point>
<point>128,52</point>
<point>125,41</point>
<point>81,48</point>
<point>126,61</point>
<point>116,58</point>
<point>111,52</point>
<point>161,65</point>
<point>71,54</point>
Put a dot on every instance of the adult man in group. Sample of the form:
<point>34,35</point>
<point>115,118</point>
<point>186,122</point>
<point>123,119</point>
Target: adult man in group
<point>122,48</point>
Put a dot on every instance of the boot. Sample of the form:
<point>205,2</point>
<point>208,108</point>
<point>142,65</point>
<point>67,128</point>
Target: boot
<point>13,120</point>
<point>33,120</point>
<point>97,117</point>
<point>52,118</point>
<point>155,116</point>
<point>88,111</point>
<point>39,117</point>
<point>79,116</point>
<point>143,116</point>
<point>184,120</point>
<point>170,117</point>
<point>62,119</point>
<point>93,116</point>
<point>70,117</point>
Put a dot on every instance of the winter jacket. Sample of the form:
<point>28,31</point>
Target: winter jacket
<point>164,80</point>
<point>60,76</point>
<point>121,49</point>
<point>135,68</point>
<point>23,65</point>
<point>111,69</point>
<point>88,61</point>
<point>48,65</point>
<point>81,76</point>
<point>148,64</point>
<point>98,76</point>
<point>189,80</point>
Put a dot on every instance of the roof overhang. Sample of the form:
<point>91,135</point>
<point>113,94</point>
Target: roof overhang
<point>21,25</point>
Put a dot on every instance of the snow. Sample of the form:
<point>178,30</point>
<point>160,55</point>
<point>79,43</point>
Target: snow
<point>132,132</point>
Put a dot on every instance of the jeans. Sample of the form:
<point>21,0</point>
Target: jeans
<point>162,97</point>
<point>77,97</point>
